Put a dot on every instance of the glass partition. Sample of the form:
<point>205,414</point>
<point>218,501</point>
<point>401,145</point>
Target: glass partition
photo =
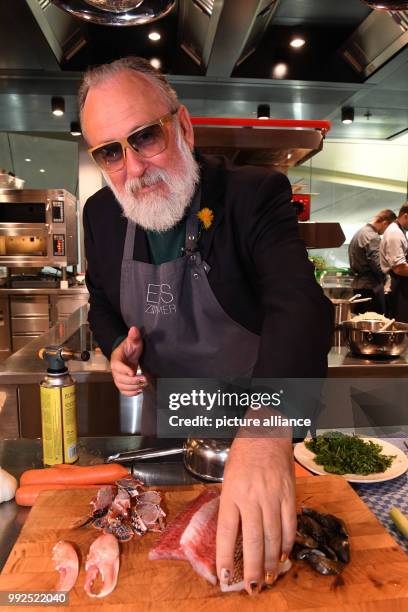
<point>42,162</point>
<point>350,181</point>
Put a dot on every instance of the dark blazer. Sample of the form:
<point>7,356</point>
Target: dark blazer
<point>260,272</point>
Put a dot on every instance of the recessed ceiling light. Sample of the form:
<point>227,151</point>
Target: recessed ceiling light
<point>263,111</point>
<point>154,36</point>
<point>280,70</point>
<point>156,63</point>
<point>75,128</point>
<point>42,170</point>
<point>27,159</point>
<point>57,106</point>
<point>297,42</point>
<point>347,115</point>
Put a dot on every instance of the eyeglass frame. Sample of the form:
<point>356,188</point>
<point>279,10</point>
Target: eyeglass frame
<point>124,143</point>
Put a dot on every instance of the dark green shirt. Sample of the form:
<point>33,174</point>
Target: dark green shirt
<point>166,246</point>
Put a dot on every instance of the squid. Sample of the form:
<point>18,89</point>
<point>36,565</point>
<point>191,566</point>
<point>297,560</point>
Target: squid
<point>103,560</point>
<point>66,563</point>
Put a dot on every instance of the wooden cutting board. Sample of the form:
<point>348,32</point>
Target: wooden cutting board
<point>375,579</point>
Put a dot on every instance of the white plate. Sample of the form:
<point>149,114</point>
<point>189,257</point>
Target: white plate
<point>399,465</point>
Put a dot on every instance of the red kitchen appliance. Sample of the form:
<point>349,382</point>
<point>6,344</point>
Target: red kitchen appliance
<point>301,202</point>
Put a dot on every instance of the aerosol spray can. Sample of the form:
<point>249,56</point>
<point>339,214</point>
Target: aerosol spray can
<point>58,405</point>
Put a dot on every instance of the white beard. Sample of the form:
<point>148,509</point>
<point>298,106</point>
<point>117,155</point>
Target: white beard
<point>155,211</point>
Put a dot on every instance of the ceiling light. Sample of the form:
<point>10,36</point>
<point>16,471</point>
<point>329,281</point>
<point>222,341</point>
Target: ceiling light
<point>75,128</point>
<point>27,159</point>
<point>297,42</point>
<point>280,70</point>
<point>263,111</point>
<point>347,115</point>
<point>154,36</point>
<point>42,170</point>
<point>156,63</point>
<point>58,106</point>
<point>388,5</point>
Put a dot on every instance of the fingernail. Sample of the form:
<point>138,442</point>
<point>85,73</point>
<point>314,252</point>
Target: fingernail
<point>284,558</point>
<point>253,587</point>
<point>270,577</point>
<point>225,575</point>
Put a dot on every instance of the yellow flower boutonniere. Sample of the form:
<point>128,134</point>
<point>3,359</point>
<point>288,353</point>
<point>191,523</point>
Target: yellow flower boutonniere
<point>206,217</point>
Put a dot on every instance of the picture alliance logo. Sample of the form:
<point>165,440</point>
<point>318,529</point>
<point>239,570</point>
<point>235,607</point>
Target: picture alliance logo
<point>159,299</point>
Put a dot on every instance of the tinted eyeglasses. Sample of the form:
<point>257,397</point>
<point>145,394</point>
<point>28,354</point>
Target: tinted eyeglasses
<point>148,140</point>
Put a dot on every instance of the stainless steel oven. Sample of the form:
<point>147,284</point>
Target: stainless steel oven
<point>38,228</point>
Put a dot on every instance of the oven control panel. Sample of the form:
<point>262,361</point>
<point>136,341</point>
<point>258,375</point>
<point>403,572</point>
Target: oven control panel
<point>57,211</point>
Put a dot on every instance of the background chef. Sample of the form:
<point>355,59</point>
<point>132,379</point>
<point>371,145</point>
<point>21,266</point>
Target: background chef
<point>364,255</point>
<point>244,295</point>
<point>394,261</point>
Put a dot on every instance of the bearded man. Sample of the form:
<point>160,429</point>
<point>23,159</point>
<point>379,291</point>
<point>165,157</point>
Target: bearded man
<point>237,298</point>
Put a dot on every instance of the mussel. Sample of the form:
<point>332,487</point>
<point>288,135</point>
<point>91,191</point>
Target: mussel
<point>319,562</point>
<point>328,521</point>
<point>322,541</point>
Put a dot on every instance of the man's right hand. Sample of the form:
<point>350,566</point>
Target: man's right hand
<point>124,363</point>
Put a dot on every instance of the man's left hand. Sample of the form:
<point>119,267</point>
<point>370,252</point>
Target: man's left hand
<point>259,492</point>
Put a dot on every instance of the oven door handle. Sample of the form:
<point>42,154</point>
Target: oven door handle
<point>39,229</point>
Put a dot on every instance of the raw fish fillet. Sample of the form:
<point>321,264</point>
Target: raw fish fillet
<point>168,546</point>
<point>237,579</point>
<point>199,540</point>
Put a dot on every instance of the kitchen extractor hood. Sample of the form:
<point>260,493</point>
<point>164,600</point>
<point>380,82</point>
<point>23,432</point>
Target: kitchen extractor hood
<point>377,39</point>
<point>387,5</point>
<point>218,35</point>
<point>275,143</point>
<point>272,143</point>
<point>117,12</point>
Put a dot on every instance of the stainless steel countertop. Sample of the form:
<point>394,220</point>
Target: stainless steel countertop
<point>343,364</point>
<point>43,290</point>
<point>25,367</point>
<point>16,456</point>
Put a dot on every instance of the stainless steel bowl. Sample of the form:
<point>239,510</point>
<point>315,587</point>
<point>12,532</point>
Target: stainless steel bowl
<point>364,338</point>
<point>206,458</point>
<point>203,457</point>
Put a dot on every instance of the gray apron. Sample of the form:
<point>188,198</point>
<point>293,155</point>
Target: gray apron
<point>185,331</point>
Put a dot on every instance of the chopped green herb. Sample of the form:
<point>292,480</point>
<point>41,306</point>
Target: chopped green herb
<point>342,454</point>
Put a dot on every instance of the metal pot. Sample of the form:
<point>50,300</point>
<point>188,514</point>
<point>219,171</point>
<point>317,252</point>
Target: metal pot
<point>203,457</point>
<point>364,338</point>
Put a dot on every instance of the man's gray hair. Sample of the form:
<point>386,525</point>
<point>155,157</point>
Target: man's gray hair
<point>99,74</point>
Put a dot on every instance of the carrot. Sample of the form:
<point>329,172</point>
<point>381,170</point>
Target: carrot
<point>27,495</point>
<point>104,473</point>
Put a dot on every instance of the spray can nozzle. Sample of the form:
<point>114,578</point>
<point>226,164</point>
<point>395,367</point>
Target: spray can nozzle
<point>57,355</point>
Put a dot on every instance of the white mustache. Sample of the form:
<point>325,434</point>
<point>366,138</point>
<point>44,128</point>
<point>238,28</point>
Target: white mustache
<point>150,178</point>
